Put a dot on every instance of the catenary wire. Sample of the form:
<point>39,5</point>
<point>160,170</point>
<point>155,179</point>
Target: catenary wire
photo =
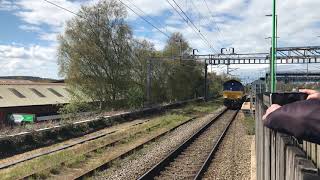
<point>213,19</point>
<point>195,30</point>
<point>145,14</point>
<point>165,34</point>
<point>206,21</point>
<point>189,20</point>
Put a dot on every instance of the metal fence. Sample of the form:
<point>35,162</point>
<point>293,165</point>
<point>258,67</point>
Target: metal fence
<point>280,156</point>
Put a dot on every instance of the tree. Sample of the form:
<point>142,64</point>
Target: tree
<point>95,53</point>
<point>175,43</point>
<point>184,77</point>
<point>143,51</point>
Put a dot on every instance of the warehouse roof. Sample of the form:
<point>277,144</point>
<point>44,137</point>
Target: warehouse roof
<point>18,93</point>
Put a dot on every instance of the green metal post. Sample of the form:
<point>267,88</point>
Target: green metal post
<point>273,53</point>
<point>275,68</point>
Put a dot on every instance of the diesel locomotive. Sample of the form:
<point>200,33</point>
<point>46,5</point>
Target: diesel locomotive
<point>233,94</point>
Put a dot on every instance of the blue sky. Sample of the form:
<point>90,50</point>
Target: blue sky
<point>29,28</point>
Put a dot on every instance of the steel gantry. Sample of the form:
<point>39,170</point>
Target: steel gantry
<point>287,55</point>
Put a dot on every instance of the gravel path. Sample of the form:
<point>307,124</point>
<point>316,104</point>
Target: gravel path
<point>232,160</point>
<point>188,163</point>
<point>138,163</point>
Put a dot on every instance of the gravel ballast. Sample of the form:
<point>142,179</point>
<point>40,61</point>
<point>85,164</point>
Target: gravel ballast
<point>232,160</point>
<point>138,163</point>
<point>189,162</point>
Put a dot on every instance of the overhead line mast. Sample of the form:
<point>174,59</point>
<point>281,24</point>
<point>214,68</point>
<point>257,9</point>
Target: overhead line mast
<point>273,49</point>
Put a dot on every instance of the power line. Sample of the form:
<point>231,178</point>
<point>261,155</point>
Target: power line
<point>186,15</point>
<point>62,8</point>
<point>214,21</point>
<point>122,3</point>
<point>211,15</point>
<point>206,21</point>
<point>203,37</point>
<point>65,9</point>
<point>197,9</point>
<point>165,34</point>
<point>187,19</point>
<point>145,14</point>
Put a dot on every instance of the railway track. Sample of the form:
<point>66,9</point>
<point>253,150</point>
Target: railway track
<point>63,147</point>
<point>78,173</point>
<point>192,158</point>
<point>75,173</point>
<point>12,144</point>
<point>87,171</point>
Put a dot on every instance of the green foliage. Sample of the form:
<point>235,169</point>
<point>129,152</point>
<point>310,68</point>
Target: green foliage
<point>184,79</point>
<point>94,53</point>
<point>106,68</point>
<point>215,83</point>
<point>136,97</point>
<point>75,106</point>
<point>175,43</point>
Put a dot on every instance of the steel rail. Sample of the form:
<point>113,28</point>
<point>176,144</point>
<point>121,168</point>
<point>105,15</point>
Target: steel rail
<point>155,170</point>
<point>124,117</point>
<point>134,149</point>
<point>207,163</point>
<point>122,155</point>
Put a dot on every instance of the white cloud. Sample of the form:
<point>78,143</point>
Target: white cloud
<point>49,36</point>
<point>242,24</point>
<point>30,28</point>
<point>31,60</point>
<point>246,32</point>
<point>6,5</point>
<point>41,12</point>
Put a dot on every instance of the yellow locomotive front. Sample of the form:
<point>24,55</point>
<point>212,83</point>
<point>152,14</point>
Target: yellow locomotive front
<point>233,94</point>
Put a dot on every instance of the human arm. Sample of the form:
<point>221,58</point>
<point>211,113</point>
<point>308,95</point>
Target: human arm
<point>300,119</point>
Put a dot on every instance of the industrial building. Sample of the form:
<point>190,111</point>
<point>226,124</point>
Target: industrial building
<point>23,96</point>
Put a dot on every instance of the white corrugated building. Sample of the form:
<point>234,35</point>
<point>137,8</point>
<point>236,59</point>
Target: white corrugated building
<point>22,96</point>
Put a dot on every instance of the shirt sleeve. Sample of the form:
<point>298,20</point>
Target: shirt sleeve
<point>300,119</point>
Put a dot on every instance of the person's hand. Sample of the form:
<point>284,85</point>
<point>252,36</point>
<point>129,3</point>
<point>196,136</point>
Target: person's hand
<point>313,94</point>
<point>271,109</point>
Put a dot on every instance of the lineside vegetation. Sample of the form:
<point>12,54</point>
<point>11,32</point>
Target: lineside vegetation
<point>105,67</point>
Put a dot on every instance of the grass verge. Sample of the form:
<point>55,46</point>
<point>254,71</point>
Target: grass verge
<point>249,122</point>
<point>57,163</point>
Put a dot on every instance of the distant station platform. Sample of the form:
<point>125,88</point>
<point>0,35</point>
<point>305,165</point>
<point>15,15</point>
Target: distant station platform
<point>247,108</point>
<point>296,76</point>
